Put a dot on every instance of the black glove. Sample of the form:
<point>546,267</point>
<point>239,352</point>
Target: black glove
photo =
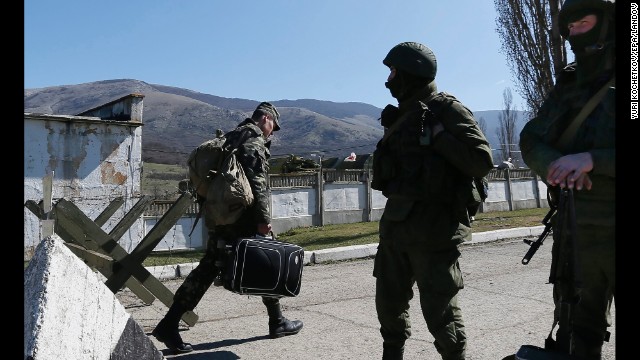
<point>389,115</point>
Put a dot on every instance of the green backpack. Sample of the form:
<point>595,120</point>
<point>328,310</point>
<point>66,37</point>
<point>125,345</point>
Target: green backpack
<point>218,181</point>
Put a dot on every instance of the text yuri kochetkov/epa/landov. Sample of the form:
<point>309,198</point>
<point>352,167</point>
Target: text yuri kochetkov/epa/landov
<point>634,61</point>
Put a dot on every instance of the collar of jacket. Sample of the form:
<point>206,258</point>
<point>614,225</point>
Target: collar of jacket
<point>250,124</point>
<point>421,94</point>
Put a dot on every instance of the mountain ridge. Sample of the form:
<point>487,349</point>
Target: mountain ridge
<point>176,120</point>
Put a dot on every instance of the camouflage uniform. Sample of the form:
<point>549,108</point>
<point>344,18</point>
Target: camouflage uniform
<point>426,183</point>
<point>253,154</point>
<point>595,208</point>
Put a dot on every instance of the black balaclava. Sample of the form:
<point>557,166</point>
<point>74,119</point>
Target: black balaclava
<point>595,49</point>
<point>404,85</point>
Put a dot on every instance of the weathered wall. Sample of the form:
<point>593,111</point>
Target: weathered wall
<point>515,194</point>
<point>93,161</point>
<point>178,238</point>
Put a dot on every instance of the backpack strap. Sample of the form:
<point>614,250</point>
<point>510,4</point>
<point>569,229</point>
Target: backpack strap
<point>200,209</point>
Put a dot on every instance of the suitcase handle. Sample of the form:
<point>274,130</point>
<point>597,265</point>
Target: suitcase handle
<point>270,236</point>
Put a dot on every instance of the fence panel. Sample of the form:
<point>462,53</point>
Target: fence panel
<point>349,176</point>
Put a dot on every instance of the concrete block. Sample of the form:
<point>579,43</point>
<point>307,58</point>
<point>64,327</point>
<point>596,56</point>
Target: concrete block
<point>70,314</point>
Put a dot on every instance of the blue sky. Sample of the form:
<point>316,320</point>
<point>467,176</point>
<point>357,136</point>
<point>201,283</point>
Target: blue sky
<point>266,50</point>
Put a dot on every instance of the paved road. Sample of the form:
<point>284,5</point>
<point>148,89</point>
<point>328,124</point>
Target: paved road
<point>505,305</point>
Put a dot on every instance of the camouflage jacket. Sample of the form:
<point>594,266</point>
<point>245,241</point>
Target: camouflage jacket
<point>596,135</point>
<point>432,176</point>
<point>253,154</point>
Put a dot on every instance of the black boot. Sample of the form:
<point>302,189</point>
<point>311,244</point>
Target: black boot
<point>167,330</point>
<point>587,344</point>
<point>279,326</point>
<point>392,352</point>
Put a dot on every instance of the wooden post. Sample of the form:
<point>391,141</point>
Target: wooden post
<point>536,191</point>
<point>369,193</point>
<point>320,197</point>
<point>509,189</point>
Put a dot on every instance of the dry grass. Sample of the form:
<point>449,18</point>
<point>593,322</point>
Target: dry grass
<point>323,237</point>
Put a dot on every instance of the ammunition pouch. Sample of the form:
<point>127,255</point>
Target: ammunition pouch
<point>383,168</point>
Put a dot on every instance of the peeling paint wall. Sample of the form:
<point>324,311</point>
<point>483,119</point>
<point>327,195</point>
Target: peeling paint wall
<point>94,161</point>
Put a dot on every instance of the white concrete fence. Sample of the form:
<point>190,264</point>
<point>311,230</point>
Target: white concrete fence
<point>344,196</point>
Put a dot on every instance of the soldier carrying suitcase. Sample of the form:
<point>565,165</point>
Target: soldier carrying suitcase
<point>253,155</point>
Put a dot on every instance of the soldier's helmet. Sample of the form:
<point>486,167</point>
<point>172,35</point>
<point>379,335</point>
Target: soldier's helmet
<point>413,58</point>
<point>573,10</point>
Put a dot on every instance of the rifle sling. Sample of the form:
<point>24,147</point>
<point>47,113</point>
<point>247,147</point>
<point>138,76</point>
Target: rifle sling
<point>571,130</point>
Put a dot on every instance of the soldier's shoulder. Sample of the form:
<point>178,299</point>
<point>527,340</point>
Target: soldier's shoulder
<point>447,101</point>
<point>248,127</point>
<point>443,98</point>
<point>246,131</point>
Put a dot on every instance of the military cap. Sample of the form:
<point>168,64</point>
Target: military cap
<point>268,108</point>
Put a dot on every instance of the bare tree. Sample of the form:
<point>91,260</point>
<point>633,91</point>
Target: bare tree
<point>506,131</point>
<point>532,44</point>
<point>482,124</point>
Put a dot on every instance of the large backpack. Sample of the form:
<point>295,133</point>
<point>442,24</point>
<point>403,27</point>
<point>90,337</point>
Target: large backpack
<point>218,181</point>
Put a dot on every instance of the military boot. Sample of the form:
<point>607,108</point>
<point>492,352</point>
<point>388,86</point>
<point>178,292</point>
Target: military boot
<point>279,326</point>
<point>392,352</point>
<point>167,330</point>
<point>587,345</point>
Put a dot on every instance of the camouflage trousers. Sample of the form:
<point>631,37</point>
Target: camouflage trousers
<point>397,268</point>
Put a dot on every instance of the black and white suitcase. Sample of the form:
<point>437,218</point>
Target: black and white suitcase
<point>263,266</point>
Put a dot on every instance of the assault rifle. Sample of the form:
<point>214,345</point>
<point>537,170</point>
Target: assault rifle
<point>564,269</point>
<point>534,245</point>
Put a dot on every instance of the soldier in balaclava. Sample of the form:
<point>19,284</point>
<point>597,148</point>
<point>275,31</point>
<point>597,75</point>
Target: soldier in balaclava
<point>570,143</point>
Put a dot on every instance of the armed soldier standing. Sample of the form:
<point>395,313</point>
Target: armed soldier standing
<point>431,149</point>
<point>586,165</point>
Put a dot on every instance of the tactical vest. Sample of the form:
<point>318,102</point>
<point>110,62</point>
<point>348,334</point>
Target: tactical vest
<point>406,164</point>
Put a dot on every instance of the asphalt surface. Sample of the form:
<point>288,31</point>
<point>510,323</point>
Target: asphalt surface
<point>505,305</point>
